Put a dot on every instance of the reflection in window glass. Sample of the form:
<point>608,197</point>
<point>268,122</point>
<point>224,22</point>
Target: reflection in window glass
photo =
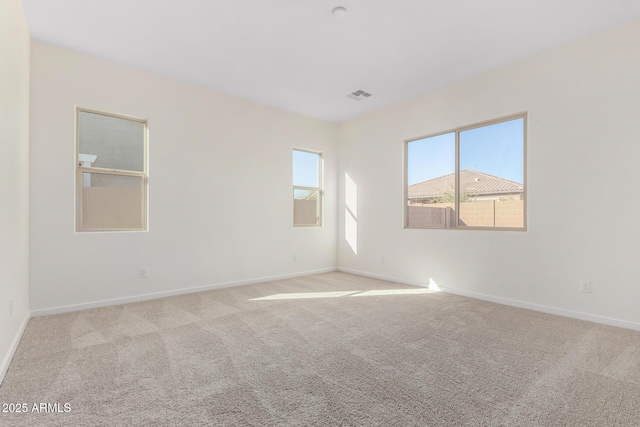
<point>111,185</point>
<point>117,143</point>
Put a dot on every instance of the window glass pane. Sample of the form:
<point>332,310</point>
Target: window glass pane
<point>111,202</point>
<point>117,143</point>
<point>492,175</point>
<point>306,169</point>
<point>306,207</point>
<point>431,169</point>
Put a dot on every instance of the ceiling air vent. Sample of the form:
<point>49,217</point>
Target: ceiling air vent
<point>359,95</point>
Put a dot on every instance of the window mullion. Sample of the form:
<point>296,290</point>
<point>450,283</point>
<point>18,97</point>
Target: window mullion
<point>299,187</point>
<point>104,171</point>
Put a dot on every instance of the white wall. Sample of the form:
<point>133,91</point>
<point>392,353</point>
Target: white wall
<point>14,177</point>
<point>220,192</point>
<point>583,101</point>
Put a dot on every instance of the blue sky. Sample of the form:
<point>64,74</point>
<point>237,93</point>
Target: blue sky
<point>305,169</point>
<point>431,157</point>
<point>497,150</point>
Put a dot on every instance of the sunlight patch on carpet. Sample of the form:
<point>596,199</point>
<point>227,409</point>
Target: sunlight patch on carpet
<point>305,295</point>
<point>338,294</point>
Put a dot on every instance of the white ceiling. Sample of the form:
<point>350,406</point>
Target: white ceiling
<point>295,55</point>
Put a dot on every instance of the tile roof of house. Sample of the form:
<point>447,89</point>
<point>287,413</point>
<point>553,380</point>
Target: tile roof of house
<point>472,183</point>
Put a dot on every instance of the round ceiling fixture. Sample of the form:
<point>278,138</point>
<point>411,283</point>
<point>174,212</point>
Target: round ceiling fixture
<point>339,12</point>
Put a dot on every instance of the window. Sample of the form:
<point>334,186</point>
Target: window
<point>111,167</point>
<point>470,178</point>
<point>307,189</point>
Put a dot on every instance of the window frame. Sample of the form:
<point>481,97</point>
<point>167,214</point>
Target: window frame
<point>319,189</point>
<point>457,131</point>
<point>143,175</point>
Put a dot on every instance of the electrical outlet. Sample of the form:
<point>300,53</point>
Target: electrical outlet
<point>381,260</point>
<point>10,307</point>
<point>294,258</point>
<point>143,273</point>
<point>585,286</point>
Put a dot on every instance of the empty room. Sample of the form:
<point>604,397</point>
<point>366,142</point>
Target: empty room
<point>319,213</point>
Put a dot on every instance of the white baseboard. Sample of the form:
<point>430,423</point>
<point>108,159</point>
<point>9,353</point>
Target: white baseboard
<point>381,277</point>
<point>511,302</point>
<point>12,349</point>
<point>155,295</point>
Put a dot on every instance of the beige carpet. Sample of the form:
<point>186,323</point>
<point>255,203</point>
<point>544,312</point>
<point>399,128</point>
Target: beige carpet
<point>338,350</point>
